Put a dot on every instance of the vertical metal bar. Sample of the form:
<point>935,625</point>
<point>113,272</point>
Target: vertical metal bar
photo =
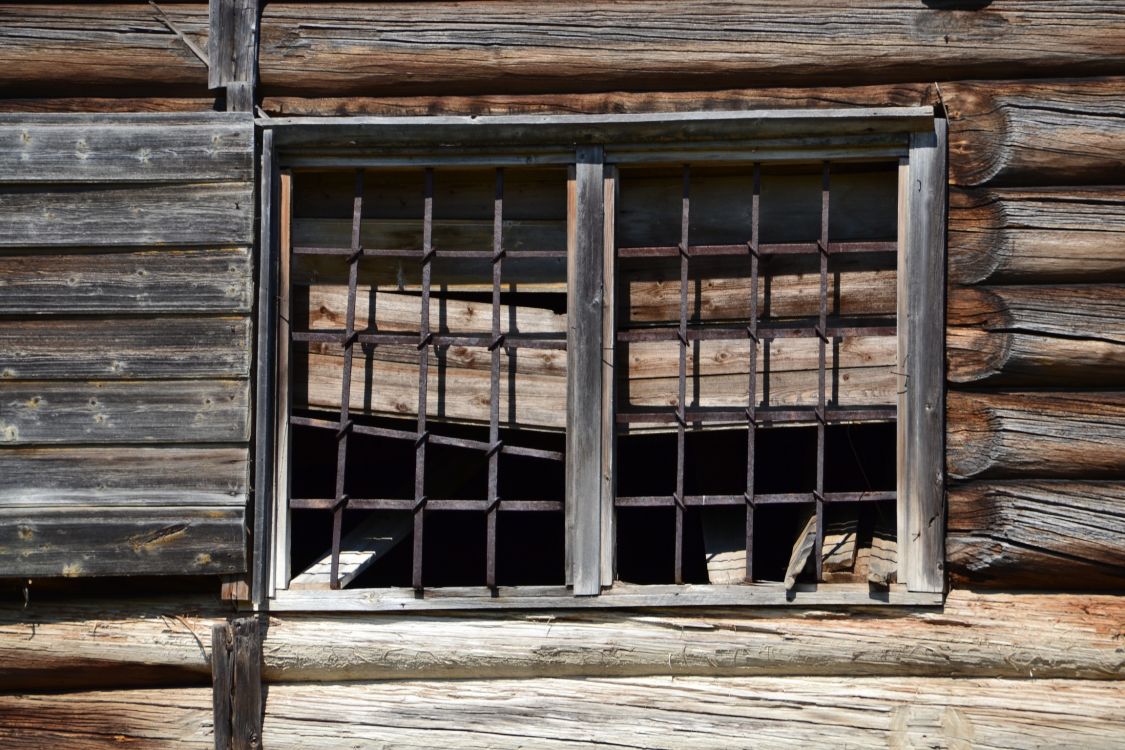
<point>346,384</point>
<point>424,337</point>
<point>494,392</point>
<point>822,335</point>
<point>752,331</point>
<point>681,415</point>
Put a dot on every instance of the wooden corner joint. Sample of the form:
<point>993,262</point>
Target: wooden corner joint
<point>236,676</point>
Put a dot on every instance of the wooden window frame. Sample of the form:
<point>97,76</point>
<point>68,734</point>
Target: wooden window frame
<point>592,146</point>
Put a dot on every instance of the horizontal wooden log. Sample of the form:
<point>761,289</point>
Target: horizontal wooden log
<point>139,476</point>
<point>698,712</point>
<point>1040,534</point>
<point>1036,132</point>
<point>1037,335</point>
<point>159,347</point>
<point>144,411</point>
<point>387,49</point>
<point>172,280</point>
<point>74,50</point>
<point>179,718</point>
<point>74,644</point>
<point>126,148</point>
<point>183,215</point>
<point>1033,236</point>
<point>75,542</point>
<point>127,104</point>
<point>1041,434</point>
<point>897,95</point>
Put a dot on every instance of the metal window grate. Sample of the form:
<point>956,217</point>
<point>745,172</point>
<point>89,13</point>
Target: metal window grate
<point>756,330</point>
<point>426,340</point>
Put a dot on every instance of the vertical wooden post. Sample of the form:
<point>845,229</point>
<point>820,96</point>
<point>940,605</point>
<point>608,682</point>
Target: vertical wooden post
<point>921,330</point>
<point>236,675</point>
<point>609,427</point>
<point>584,372</point>
<point>232,51</point>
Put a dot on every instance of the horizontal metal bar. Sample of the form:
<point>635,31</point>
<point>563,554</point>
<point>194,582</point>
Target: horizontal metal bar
<point>657,501</point>
<point>711,332</point>
<point>511,341</point>
<point>417,253</point>
<point>773,415</point>
<point>384,432</point>
<point>786,248</point>
<point>437,504</point>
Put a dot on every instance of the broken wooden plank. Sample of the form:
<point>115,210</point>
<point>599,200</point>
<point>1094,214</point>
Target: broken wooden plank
<point>724,544</point>
<point>802,549</point>
<point>360,548</point>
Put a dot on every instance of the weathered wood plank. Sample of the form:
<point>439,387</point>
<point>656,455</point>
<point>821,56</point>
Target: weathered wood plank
<point>124,104</point>
<point>896,95</point>
<point>147,411</point>
<point>1040,434</point>
<point>91,541</point>
<point>233,51</point>
<point>361,547</point>
<point>1032,236</point>
<point>139,476</point>
<point>699,712</point>
<point>168,718</point>
<point>1067,132</point>
<point>74,50</point>
<point>388,49</point>
<point>185,215</point>
<point>1037,335</point>
<point>1041,534</point>
<point>172,280</point>
<point>160,347</point>
<point>126,148</point>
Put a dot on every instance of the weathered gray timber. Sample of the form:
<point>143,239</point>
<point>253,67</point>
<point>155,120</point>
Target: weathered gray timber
<point>144,411</point>
<point>1069,132</point>
<point>196,214</point>
<point>118,347</point>
<point>73,50</point>
<point>109,148</point>
<point>173,280</point>
<point>394,49</point>
<point>236,658</point>
<point>1034,236</point>
<point>1040,434</point>
<point>1041,534</point>
<point>1037,335</point>
<point>232,51</point>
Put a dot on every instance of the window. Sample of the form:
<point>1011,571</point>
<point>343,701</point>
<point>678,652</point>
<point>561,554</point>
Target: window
<point>694,359</point>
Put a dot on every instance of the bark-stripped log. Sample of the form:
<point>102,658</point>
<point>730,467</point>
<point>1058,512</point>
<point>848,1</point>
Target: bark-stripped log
<point>85,104</point>
<point>74,50</point>
<point>449,48</point>
<point>1041,434</point>
<point>1034,236</point>
<point>1044,534</point>
<point>699,712</point>
<point>1037,335</point>
<point>1036,132</point>
<point>91,643</point>
<point>900,95</point>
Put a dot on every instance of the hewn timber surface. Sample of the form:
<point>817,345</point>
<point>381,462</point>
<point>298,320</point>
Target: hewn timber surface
<point>699,712</point>
<point>1033,236</point>
<point>90,643</point>
<point>1037,335</point>
<point>1041,434</point>
<point>1068,132</point>
<point>114,48</point>
<point>1040,534</point>
<point>440,48</point>
<point>125,104</point>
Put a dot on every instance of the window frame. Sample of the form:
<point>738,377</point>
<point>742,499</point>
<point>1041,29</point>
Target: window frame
<point>593,145</point>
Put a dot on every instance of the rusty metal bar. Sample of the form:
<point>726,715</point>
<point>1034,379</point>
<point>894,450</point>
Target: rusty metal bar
<point>765,415</point>
<point>494,383</point>
<point>873,327</point>
<point>752,402</point>
<point>424,343</point>
<point>822,334</point>
<point>432,504</point>
<point>414,253</point>
<point>786,498</point>
<point>776,248</point>
<point>681,401</point>
<point>511,341</point>
<point>345,424</point>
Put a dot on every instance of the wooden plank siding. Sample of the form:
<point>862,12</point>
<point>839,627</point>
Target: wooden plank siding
<point>125,323</point>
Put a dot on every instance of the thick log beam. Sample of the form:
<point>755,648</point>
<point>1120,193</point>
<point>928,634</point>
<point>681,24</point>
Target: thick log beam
<point>1039,534</point>
<point>1034,236</point>
<point>1036,132</point>
<point>1042,434</point>
<point>390,49</point>
<point>1037,335</point>
<point>121,49</point>
<point>698,712</point>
